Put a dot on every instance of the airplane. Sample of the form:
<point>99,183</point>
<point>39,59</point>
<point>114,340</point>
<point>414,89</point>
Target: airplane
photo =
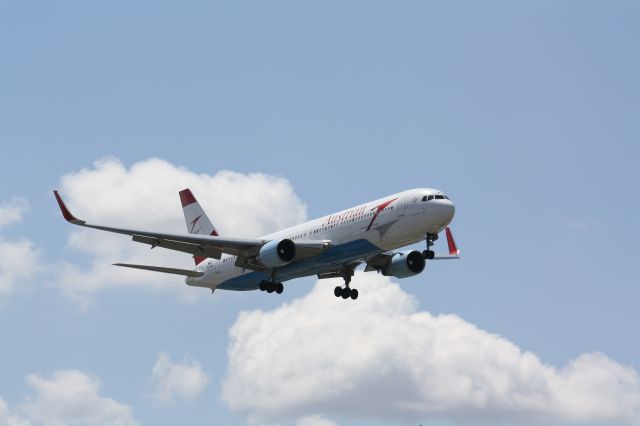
<point>328,247</point>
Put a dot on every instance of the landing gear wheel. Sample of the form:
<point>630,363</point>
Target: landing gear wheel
<point>279,288</point>
<point>428,254</point>
<point>354,293</point>
<point>271,287</point>
<point>337,291</point>
<point>346,292</point>
<point>262,286</point>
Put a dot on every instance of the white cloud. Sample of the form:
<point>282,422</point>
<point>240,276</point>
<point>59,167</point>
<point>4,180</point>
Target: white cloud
<point>13,210</point>
<point>19,258</point>
<point>172,381</point>
<point>9,419</point>
<point>380,357</point>
<point>67,398</point>
<point>146,196</point>
<point>19,263</point>
<point>71,397</point>
<point>314,421</point>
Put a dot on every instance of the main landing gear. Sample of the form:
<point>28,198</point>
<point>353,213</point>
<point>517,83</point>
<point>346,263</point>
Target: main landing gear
<point>346,291</point>
<point>428,253</point>
<point>271,286</point>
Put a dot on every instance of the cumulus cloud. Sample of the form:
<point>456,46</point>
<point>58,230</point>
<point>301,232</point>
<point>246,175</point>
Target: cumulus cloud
<point>172,381</point>
<point>19,258</point>
<point>10,419</point>
<point>71,397</point>
<point>13,210</point>
<point>18,263</point>
<point>67,398</point>
<point>146,196</point>
<point>381,357</point>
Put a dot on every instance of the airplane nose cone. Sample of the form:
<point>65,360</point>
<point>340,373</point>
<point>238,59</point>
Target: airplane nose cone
<point>447,210</point>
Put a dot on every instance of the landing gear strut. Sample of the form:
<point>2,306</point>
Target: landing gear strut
<point>346,291</point>
<point>428,253</point>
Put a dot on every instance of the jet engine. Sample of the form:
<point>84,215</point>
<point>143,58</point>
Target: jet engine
<point>405,264</point>
<point>277,253</point>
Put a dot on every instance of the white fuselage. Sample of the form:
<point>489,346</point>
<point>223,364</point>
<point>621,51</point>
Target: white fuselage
<point>355,234</point>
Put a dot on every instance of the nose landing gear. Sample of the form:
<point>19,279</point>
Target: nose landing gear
<point>428,253</point>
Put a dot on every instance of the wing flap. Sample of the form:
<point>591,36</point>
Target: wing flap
<point>194,249</point>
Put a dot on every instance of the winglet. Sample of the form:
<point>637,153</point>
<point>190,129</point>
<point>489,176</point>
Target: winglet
<point>65,211</point>
<point>453,249</point>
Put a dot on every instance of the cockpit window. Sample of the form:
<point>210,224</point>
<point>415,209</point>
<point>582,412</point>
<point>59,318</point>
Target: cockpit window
<point>435,197</point>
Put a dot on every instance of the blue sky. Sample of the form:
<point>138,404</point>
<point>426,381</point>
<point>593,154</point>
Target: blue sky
<point>525,114</point>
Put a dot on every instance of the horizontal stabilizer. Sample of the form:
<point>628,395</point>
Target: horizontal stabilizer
<point>186,272</point>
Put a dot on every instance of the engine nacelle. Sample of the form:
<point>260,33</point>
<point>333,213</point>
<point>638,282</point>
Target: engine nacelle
<point>405,264</point>
<point>277,253</point>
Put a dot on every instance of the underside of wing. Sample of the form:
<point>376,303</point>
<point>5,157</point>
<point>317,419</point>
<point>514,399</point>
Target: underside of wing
<point>303,250</point>
<point>377,262</point>
<point>175,271</point>
<point>347,270</point>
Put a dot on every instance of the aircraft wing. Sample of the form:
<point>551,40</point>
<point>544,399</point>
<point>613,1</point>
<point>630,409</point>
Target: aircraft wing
<point>175,271</point>
<point>201,245</point>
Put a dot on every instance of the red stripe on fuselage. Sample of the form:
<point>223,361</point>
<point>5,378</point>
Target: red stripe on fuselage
<point>378,210</point>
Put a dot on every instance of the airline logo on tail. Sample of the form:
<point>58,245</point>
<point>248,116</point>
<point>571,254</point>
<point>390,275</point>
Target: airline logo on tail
<point>193,225</point>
